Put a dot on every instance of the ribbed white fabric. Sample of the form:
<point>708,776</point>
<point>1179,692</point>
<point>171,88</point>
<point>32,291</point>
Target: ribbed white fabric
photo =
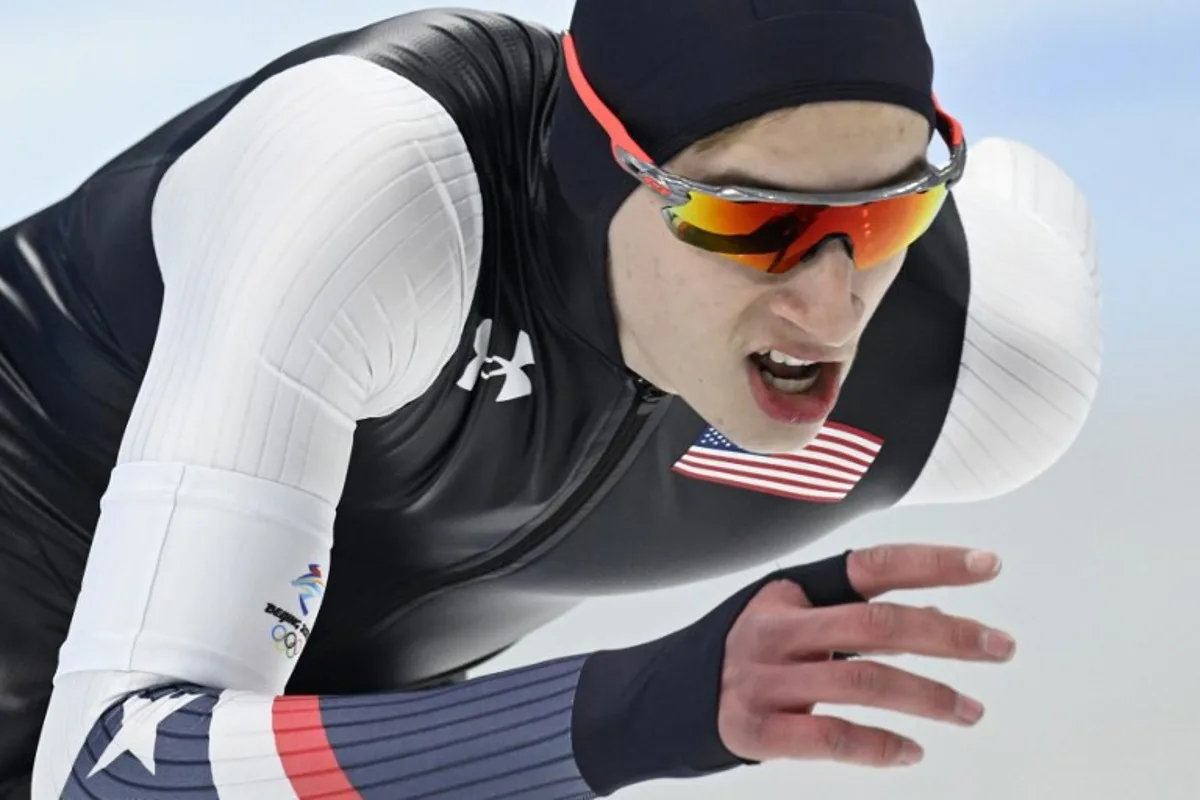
<point>1031,359</point>
<point>319,251</point>
<point>242,748</point>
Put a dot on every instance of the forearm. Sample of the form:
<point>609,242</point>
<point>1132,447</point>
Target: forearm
<point>570,729</point>
<point>507,735</point>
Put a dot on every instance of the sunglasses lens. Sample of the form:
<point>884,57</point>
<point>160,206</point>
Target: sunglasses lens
<point>772,237</point>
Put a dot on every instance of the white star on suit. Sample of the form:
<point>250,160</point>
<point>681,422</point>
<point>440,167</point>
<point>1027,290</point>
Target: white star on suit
<point>139,729</point>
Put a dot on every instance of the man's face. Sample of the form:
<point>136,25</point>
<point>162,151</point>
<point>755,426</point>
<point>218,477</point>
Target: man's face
<point>691,322</point>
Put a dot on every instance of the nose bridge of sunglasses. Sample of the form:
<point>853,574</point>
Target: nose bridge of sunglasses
<point>823,246</point>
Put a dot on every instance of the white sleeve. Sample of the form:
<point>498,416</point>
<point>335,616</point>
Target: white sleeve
<point>319,249</point>
<point>1031,358</point>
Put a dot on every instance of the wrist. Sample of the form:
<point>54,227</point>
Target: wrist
<point>650,712</point>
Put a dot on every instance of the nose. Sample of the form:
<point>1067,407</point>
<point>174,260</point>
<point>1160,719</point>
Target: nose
<point>818,296</point>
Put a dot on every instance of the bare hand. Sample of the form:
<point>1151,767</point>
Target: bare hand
<point>778,660</point>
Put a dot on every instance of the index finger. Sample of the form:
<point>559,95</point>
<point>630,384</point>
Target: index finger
<point>877,570</point>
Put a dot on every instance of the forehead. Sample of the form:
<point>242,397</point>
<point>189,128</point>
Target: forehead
<point>822,147</point>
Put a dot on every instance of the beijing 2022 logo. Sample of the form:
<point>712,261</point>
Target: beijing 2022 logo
<point>290,634</point>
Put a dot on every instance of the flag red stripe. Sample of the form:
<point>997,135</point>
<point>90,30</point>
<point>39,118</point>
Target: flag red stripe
<point>858,458</point>
<point>758,480</point>
<point>837,426</point>
<point>857,449</point>
<point>307,756</point>
<point>841,469</point>
<point>862,459</point>
<point>781,473</point>
<point>790,495</point>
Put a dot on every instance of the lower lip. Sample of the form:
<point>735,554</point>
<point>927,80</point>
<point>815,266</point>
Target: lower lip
<point>807,408</point>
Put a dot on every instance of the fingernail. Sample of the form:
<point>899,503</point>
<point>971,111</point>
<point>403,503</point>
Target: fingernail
<point>998,645</point>
<point>911,753</point>
<point>968,710</point>
<point>981,562</point>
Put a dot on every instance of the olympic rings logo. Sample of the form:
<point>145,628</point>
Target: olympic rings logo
<point>286,641</point>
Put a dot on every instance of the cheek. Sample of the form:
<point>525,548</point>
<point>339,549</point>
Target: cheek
<point>678,285</point>
<point>708,290</point>
<point>670,295</point>
<point>873,284</point>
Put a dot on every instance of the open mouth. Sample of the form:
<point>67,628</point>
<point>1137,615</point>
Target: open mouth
<point>793,390</point>
<point>786,374</point>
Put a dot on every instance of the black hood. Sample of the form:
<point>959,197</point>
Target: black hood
<point>675,71</point>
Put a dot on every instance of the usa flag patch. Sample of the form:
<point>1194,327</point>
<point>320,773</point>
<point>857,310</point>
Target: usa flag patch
<point>824,471</point>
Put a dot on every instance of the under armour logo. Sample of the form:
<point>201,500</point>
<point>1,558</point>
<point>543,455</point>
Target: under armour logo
<point>516,382</point>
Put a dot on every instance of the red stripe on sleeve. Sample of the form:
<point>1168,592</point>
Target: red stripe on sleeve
<point>307,756</point>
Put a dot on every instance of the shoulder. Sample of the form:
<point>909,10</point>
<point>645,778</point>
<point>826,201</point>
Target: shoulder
<point>336,193</point>
<point>320,141</point>
<point>1032,350</point>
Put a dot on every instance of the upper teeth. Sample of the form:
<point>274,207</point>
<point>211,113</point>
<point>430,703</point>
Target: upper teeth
<point>784,358</point>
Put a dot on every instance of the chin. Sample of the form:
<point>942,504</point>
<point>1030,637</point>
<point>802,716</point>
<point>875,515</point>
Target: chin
<point>756,433</point>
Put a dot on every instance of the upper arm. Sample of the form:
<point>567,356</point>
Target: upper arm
<point>327,223</point>
<point>318,249</point>
<point>1031,358</point>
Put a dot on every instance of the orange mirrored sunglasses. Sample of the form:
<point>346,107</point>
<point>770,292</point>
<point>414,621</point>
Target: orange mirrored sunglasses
<point>774,231</point>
